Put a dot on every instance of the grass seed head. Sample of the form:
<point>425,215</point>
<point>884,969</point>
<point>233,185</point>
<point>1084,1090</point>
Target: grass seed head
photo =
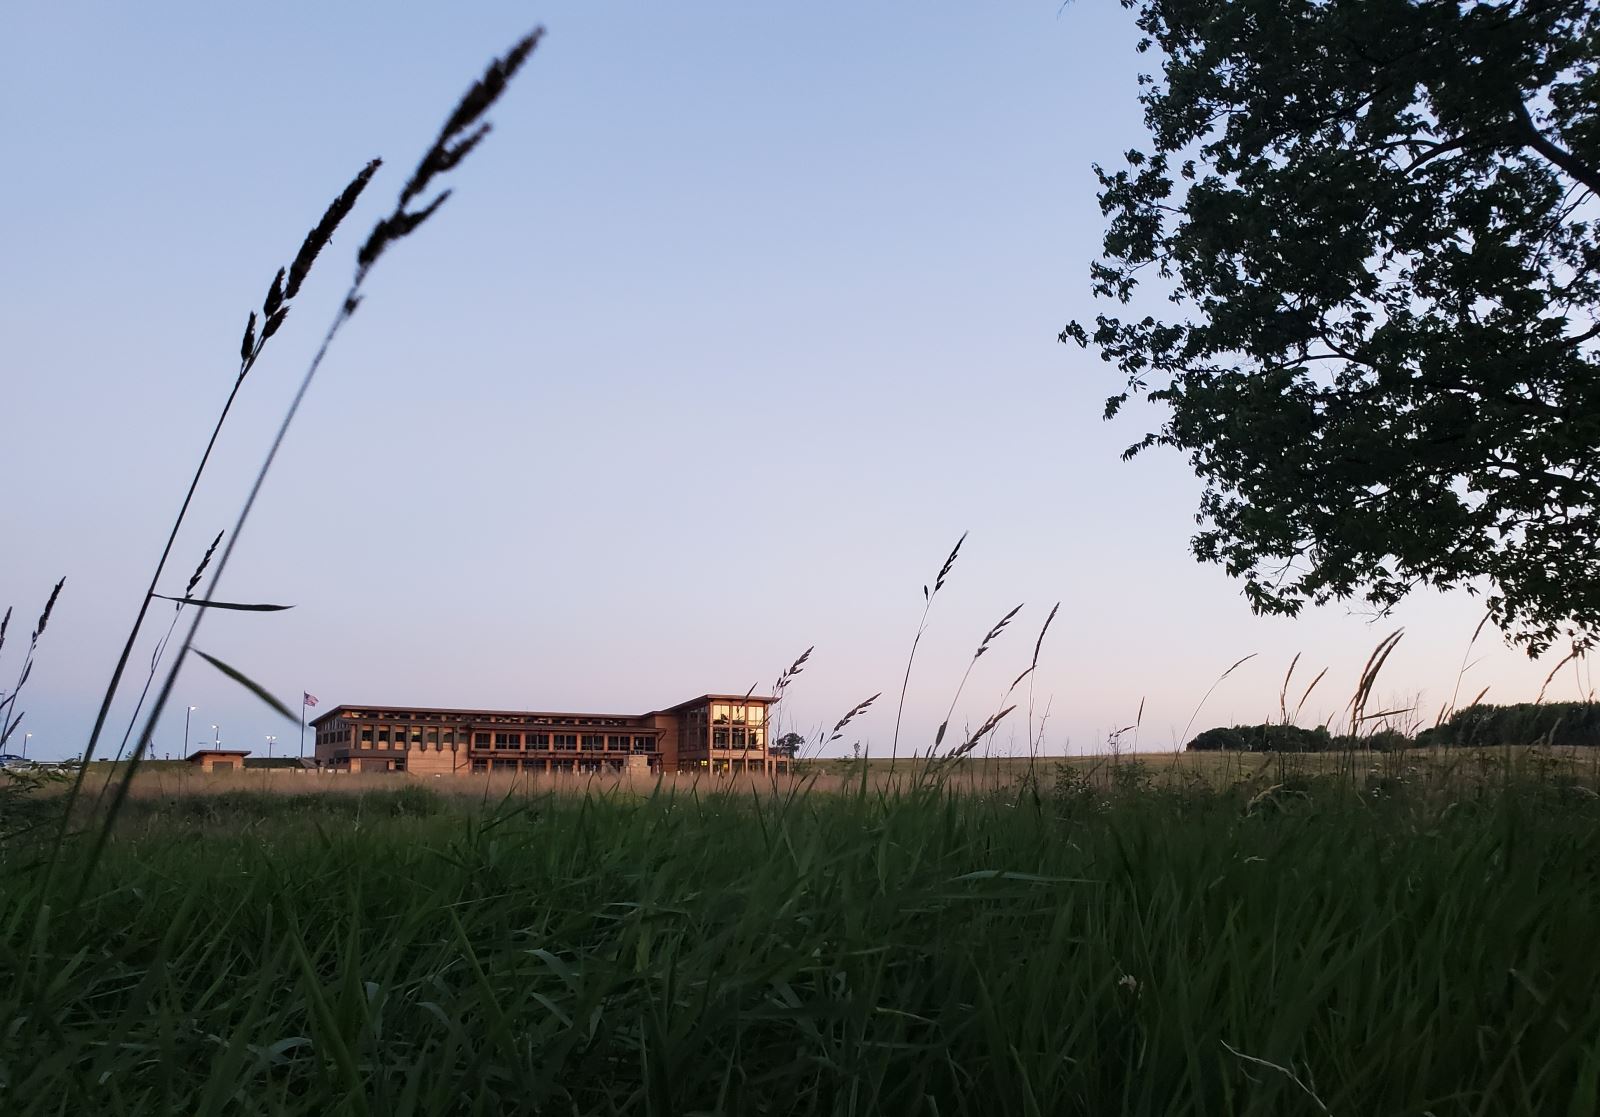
<point>448,157</point>
<point>49,606</point>
<point>274,322</point>
<point>397,226</point>
<point>247,347</point>
<point>854,712</point>
<point>447,151</point>
<point>995,632</point>
<point>982,731</point>
<point>791,671</point>
<point>317,239</point>
<point>1039,643</point>
<point>194,579</point>
<point>274,297</point>
<point>944,571</point>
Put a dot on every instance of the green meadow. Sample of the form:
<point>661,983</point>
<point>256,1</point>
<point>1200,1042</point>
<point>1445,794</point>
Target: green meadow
<point>1395,938</point>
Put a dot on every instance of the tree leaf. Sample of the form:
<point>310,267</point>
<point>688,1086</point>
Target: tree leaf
<point>249,684</point>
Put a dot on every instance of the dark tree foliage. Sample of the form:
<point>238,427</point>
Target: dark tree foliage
<point>1375,223</point>
<point>788,745</point>
<point>1269,737</point>
<point>1278,737</point>
<point>1558,724</point>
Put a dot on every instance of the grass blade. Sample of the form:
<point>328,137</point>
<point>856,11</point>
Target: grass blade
<point>248,683</point>
<point>240,605</point>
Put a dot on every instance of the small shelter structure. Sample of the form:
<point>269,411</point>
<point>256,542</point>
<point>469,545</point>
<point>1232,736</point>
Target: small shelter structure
<point>218,760</point>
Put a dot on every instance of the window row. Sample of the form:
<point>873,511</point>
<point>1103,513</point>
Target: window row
<point>568,742</point>
<point>416,737</point>
<point>483,764</point>
<point>489,719</point>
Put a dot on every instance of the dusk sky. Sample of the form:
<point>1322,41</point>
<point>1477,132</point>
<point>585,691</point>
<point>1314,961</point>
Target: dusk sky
<point>739,318</point>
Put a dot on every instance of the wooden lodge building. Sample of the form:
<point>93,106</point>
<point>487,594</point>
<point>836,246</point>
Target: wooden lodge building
<point>717,733</point>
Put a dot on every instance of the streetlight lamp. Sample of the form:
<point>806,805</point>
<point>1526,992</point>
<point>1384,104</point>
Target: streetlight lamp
<point>216,737</point>
<point>26,737</point>
<point>186,714</point>
<point>269,746</point>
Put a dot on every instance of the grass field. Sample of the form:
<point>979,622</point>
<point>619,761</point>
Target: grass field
<point>1412,941</point>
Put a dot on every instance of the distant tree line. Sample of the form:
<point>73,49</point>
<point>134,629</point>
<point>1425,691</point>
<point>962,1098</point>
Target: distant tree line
<point>1557,724</point>
<point>1278,737</point>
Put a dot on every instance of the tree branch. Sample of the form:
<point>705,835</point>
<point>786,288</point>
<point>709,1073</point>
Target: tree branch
<point>1562,158</point>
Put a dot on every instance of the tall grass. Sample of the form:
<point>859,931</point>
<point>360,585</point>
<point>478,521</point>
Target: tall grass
<point>11,713</point>
<point>463,130</point>
<point>1133,950</point>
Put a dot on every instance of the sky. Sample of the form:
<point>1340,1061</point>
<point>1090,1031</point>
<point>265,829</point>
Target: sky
<point>738,320</point>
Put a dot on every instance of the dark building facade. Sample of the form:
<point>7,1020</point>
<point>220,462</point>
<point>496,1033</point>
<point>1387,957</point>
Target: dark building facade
<point>717,733</point>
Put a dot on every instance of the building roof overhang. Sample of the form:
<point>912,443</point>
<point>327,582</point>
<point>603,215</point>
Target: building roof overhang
<point>468,715</point>
<point>198,753</point>
<point>765,699</point>
<point>464,715</point>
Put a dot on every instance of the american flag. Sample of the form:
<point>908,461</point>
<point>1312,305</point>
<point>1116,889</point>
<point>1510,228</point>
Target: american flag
<point>308,699</point>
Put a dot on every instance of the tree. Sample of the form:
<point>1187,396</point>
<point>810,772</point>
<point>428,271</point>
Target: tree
<point>1268,737</point>
<point>787,745</point>
<point>1556,724</point>
<point>1375,224</point>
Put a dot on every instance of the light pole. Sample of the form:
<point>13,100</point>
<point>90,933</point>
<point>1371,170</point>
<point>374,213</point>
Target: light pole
<point>26,737</point>
<point>186,714</point>
<point>216,737</point>
<point>269,746</point>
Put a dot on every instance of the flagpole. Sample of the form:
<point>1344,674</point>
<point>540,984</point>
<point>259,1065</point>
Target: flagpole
<point>302,724</point>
